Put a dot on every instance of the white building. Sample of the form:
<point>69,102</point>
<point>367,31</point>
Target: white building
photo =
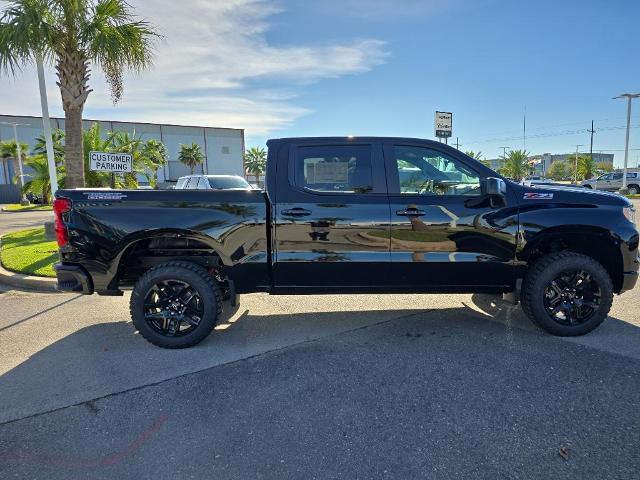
<point>223,147</point>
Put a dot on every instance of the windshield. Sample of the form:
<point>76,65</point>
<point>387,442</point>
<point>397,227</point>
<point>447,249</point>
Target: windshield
<point>224,183</point>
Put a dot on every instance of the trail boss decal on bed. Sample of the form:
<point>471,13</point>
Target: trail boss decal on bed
<point>537,196</point>
<point>104,196</point>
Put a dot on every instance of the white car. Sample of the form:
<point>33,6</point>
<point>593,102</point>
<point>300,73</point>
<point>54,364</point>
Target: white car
<point>212,182</point>
<point>535,180</point>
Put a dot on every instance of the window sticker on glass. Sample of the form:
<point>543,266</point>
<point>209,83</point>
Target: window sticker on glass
<point>328,172</point>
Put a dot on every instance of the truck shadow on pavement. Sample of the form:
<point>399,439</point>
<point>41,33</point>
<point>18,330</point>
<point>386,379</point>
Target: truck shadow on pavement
<point>108,358</point>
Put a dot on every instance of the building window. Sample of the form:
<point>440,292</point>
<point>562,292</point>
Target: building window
<point>225,150</point>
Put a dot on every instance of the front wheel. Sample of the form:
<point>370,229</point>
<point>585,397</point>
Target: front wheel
<point>567,294</point>
<point>175,305</point>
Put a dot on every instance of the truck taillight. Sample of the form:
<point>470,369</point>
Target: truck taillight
<point>60,206</point>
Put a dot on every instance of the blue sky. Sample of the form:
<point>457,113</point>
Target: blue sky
<point>381,67</point>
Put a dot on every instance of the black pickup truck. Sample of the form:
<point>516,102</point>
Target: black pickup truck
<point>346,215</point>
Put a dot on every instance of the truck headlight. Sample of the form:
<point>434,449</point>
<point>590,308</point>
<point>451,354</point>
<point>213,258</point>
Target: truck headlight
<point>630,213</point>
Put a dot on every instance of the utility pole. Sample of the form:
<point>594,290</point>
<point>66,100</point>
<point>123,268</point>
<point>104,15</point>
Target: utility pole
<point>629,97</point>
<point>457,144</point>
<point>592,131</point>
<point>575,175</point>
<point>23,198</point>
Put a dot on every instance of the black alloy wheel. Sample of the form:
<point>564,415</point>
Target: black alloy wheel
<point>567,293</point>
<point>175,304</point>
<point>572,297</point>
<point>173,308</point>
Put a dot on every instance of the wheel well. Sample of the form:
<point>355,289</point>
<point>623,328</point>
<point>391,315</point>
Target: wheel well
<point>595,245</point>
<point>149,252</point>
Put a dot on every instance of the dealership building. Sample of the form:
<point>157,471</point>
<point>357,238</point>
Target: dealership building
<point>223,147</point>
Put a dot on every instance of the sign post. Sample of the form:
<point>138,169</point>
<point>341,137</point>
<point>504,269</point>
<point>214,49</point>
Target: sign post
<point>443,123</point>
<point>111,162</point>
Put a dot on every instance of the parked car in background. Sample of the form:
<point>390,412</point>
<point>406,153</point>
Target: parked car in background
<point>212,182</point>
<point>535,180</point>
<point>612,182</point>
<point>34,198</point>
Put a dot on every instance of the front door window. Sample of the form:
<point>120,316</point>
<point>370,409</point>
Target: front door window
<point>422,171</point>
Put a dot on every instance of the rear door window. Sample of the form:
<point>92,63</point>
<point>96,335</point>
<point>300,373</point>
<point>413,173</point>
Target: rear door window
<point>339,169</point>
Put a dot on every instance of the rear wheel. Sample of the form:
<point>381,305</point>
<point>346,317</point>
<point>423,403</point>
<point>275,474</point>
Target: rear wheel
<point>567,293</point>
<point>175,305</point>
<point>633,189</point>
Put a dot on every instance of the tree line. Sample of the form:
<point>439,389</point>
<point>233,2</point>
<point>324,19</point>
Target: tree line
<point>515,165</point>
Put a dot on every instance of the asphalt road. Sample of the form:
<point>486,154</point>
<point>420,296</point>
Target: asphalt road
<point>353,386</point>
<point>10,221</point>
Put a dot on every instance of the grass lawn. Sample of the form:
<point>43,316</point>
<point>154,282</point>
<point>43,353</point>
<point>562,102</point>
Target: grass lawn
<point>16,207</point>
<point>28,252</point>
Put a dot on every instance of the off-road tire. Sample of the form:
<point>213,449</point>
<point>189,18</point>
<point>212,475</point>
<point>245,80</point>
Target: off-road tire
<point>199,279</point>
<point>540,275</point>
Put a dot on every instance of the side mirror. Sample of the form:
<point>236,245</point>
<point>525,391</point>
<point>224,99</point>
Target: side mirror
<point>493,187</point>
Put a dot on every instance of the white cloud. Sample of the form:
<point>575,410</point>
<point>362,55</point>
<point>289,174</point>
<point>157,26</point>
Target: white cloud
<point>212,55</point>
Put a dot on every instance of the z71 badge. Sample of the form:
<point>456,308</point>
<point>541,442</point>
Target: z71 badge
<point>537,196</point>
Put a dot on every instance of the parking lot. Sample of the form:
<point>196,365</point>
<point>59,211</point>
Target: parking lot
<point>353,386</point>
<point>348,386</point>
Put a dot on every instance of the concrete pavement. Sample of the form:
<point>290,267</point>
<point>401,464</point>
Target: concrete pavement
<point>11,221</point>
<point>358,386</point>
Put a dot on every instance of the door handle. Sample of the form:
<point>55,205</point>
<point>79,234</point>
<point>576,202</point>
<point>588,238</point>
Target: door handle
<point>296,212</point>
<point>411,212</point>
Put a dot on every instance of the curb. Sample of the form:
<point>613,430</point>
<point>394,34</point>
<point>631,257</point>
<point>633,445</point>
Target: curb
<point>28,282</point>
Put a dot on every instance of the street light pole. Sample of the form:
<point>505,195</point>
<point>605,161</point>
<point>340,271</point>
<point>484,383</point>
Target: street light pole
<point>46,124</point>
<point>629,97</point>
<point>23,198</point>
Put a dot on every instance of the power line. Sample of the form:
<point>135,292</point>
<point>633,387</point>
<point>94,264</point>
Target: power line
<point>549,134</point>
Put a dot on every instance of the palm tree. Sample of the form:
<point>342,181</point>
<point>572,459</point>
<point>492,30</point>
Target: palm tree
<point>73,34</point>
<point>255,161</point>
<point>123,142</point>
<point>155,156</point>
<point>515,164</point>
<point>57,136</point>
<point>191,155</point>
<point>8,150</point>
<point>39,181</point>
<point>586,167</point>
